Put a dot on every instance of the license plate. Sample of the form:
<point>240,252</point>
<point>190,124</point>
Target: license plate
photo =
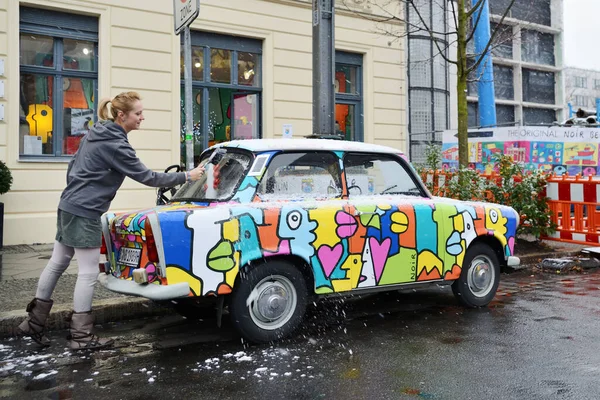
<point>129,256</point>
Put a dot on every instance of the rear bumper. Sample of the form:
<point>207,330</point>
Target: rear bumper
<point>149,291</point>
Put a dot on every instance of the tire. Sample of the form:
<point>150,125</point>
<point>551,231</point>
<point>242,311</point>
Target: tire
<point>479,278</point>
<point>268,301</point>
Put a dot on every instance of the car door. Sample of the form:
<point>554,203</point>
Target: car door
<point>398,238</point>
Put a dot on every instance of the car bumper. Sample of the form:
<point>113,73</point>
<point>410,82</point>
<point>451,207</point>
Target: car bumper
<point>149,291</point>
<point>513,261</point>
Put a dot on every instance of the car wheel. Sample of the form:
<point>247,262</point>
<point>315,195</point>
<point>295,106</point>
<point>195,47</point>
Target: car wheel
<point>479,278</point>
<point>268,301</point>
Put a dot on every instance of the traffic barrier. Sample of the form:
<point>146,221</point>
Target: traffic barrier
<point>575,208</point>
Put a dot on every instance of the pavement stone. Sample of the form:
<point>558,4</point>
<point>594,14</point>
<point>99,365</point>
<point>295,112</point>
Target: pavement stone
<point>21,266</point>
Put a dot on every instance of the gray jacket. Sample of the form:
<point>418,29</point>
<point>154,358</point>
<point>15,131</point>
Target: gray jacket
<point>100,166</point>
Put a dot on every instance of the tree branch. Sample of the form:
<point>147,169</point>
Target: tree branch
<point>431,35</point>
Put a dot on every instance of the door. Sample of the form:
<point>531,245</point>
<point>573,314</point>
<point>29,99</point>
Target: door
<point>388,200</point>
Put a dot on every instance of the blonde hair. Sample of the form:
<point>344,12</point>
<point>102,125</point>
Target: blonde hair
<point>122,102</point>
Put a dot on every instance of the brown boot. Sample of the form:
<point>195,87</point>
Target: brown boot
<point>34,325</point>
<point>81,337</point>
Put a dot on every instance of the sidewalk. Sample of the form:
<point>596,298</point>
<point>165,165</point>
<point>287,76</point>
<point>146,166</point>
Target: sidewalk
<point>20,269</point>
<point>21,266</point>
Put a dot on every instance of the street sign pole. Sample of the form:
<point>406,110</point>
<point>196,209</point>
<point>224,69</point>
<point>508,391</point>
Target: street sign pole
<point>185,12</point>
<point>189,112</point>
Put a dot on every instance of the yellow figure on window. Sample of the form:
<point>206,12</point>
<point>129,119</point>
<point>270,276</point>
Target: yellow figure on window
<point>40,121</point>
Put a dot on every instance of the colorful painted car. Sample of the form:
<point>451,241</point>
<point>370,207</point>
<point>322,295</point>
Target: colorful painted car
<point>276,223</point>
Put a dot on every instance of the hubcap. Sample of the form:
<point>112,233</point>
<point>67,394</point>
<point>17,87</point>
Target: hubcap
<point>481,276</point>
<point>272,302</point>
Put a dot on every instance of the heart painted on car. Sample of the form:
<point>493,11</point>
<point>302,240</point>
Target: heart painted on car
<point>379,254</point>
<point>346,224</point>
<point>329,257</point>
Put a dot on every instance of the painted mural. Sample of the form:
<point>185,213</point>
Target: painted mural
<point>347,244</point>
<point>572,150</point>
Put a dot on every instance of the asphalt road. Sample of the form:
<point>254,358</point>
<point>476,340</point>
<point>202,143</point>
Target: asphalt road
<point>539,339</point>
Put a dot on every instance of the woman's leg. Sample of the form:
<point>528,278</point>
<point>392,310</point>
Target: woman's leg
<point>59,262</point>
<point>39,308</point>
<point>82,321</point>
<point>88,260</point>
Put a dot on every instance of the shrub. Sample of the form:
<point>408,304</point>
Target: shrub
<point>5,178</point>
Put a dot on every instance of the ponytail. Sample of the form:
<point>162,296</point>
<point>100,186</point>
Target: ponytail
<point>103,112</point>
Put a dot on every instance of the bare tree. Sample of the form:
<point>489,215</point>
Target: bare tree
<point>465,18</point>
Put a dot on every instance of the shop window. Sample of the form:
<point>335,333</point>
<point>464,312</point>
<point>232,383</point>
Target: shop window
<point>57,50</point>
<point>226,90</point>
<point>348,96</point>
<point>538,86</point>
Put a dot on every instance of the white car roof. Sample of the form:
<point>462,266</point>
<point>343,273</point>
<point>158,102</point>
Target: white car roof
<point>257,145</point>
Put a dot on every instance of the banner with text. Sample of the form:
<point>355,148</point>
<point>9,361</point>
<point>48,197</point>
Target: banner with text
<point>559,149</point>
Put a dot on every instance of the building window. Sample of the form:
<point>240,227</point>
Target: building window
<point>348,96</point>
<point>503,82</point>
<point>505,115</point>
<point>473,110</point>
<point>538,116</point>
<point>57,50</point>
<point>538,86</point>
<point>535,11</point>
<point>503,42</point>
<point>226,90</point>
<point>428,93</point>
<point>581,82</point>
<point>597,84</point>
<point>580,101</point>
<point>537,47</point>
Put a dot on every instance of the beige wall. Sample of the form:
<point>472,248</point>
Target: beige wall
<point>139,51</point>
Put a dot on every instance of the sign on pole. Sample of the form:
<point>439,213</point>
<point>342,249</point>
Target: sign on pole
<point>185,12</point>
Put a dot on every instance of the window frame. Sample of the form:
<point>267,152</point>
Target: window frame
<point>265,196</point>
<point>424,193</point>
<point>353,60</point>
<point>74,27</point>
<point>235,44</point>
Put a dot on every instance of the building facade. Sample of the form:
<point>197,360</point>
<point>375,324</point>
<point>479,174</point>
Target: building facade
<point>582,88</point>
<point>527,63</point>
<point>252,76</point>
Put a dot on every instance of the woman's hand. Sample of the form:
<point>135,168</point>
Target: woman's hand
<point>195,173</point>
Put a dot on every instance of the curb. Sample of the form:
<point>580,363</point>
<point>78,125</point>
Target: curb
<point>109,310</point>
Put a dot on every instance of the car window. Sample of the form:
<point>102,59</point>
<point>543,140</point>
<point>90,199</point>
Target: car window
<point>374,174</point>
<point>301,175</point>
<point>222,177</point>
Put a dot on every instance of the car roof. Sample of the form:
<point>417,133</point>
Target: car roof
<point>258,145</point>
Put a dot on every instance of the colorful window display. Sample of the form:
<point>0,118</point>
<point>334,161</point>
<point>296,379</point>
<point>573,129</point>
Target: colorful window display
<point>52,122</point>
<point>572,150</point>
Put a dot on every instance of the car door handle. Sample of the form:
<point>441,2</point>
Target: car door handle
<point>358,213</point>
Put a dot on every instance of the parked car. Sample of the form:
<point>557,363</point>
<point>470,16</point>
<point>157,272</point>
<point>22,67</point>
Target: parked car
<point>275,224</point>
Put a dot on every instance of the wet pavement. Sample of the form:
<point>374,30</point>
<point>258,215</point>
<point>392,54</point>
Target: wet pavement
<point>539,339</point>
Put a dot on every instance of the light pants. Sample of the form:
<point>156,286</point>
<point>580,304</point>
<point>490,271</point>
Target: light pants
<point>87,259</point>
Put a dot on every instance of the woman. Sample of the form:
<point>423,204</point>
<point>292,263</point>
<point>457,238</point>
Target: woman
<point>94,175</point>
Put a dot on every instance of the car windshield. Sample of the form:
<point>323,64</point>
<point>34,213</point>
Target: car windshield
<point>225,168</point>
